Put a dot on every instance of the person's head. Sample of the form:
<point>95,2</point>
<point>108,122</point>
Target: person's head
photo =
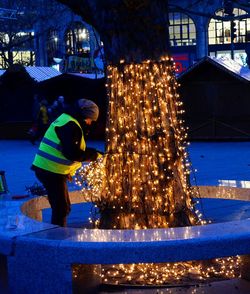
<point>44,102</point>
<point>55,104</point>
<point>89,110</point>
<point>60,99</point>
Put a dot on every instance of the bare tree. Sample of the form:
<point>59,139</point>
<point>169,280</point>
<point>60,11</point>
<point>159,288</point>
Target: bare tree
<point>17,33</point>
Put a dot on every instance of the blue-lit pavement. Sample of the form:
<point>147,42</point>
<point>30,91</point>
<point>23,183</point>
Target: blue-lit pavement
<point>16,157</point>
<point>224,163</point>
<point>216,164</point>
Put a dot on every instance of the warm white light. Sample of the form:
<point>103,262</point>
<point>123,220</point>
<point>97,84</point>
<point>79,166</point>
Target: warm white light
<point>83,34</point>
<point>142,181</point>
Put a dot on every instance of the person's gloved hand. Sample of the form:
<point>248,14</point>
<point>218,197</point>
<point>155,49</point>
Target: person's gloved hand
<point>91,154</point>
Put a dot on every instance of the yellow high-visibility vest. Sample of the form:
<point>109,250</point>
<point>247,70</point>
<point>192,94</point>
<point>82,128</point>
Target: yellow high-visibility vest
<point>49,155</point>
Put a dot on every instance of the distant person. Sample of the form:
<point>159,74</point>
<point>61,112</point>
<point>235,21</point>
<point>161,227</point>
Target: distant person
<point>43,118</point>
<point>35,108</point>
<point>40,120</point>
<point>56,108</point>
<point>61,104</point>
<point>61,152</point>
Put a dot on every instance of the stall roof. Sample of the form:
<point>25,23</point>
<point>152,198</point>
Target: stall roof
<point>224,63</point>
<point>88,75</point>
<point>2,71</point>
<point>41,73</point>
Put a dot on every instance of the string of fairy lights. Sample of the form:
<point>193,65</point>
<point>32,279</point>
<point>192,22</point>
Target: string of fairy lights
<point>171,273</point>
<point>167,274</point>
<point>142,181</point>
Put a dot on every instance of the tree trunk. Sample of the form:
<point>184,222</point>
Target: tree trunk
<point>146,175</point>
<point>132,30</point>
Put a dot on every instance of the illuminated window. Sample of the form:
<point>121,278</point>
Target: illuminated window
<point>77,40</point>
<point>219,32</point>
<point>22,49</point>
<point>181,30</point>
<point>2,63</point>
<point>24,57</point>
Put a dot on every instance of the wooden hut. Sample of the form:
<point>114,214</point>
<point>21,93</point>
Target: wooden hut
<point>215,93</point>
<point>18,85</point>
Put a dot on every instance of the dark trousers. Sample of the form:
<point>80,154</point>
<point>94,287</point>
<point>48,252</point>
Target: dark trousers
<point>57,190</point>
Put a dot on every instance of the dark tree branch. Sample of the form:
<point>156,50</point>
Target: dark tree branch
<point>208,15</point>
<point>81,8</point>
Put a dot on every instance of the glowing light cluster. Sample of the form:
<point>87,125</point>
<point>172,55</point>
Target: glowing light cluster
<point>171,273</point>
<point>143,180</point>
<point>146,170</point>
<point>167,274</point>
<point>175,273</point>
<point>90,177</point>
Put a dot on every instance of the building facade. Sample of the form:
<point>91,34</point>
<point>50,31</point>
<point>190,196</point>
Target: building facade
<point>65,41</point>
<point>46,33</point>
<point>197,28</point>
<point>213,28</point>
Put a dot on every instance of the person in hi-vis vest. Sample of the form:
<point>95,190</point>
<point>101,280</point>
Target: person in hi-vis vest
<point>61,152</point>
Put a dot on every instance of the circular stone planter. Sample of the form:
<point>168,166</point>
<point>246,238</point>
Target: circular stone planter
<point>52,250</point>
<point>33,208</point>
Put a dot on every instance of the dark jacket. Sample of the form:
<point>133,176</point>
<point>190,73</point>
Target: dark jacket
<point>70,136</point>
